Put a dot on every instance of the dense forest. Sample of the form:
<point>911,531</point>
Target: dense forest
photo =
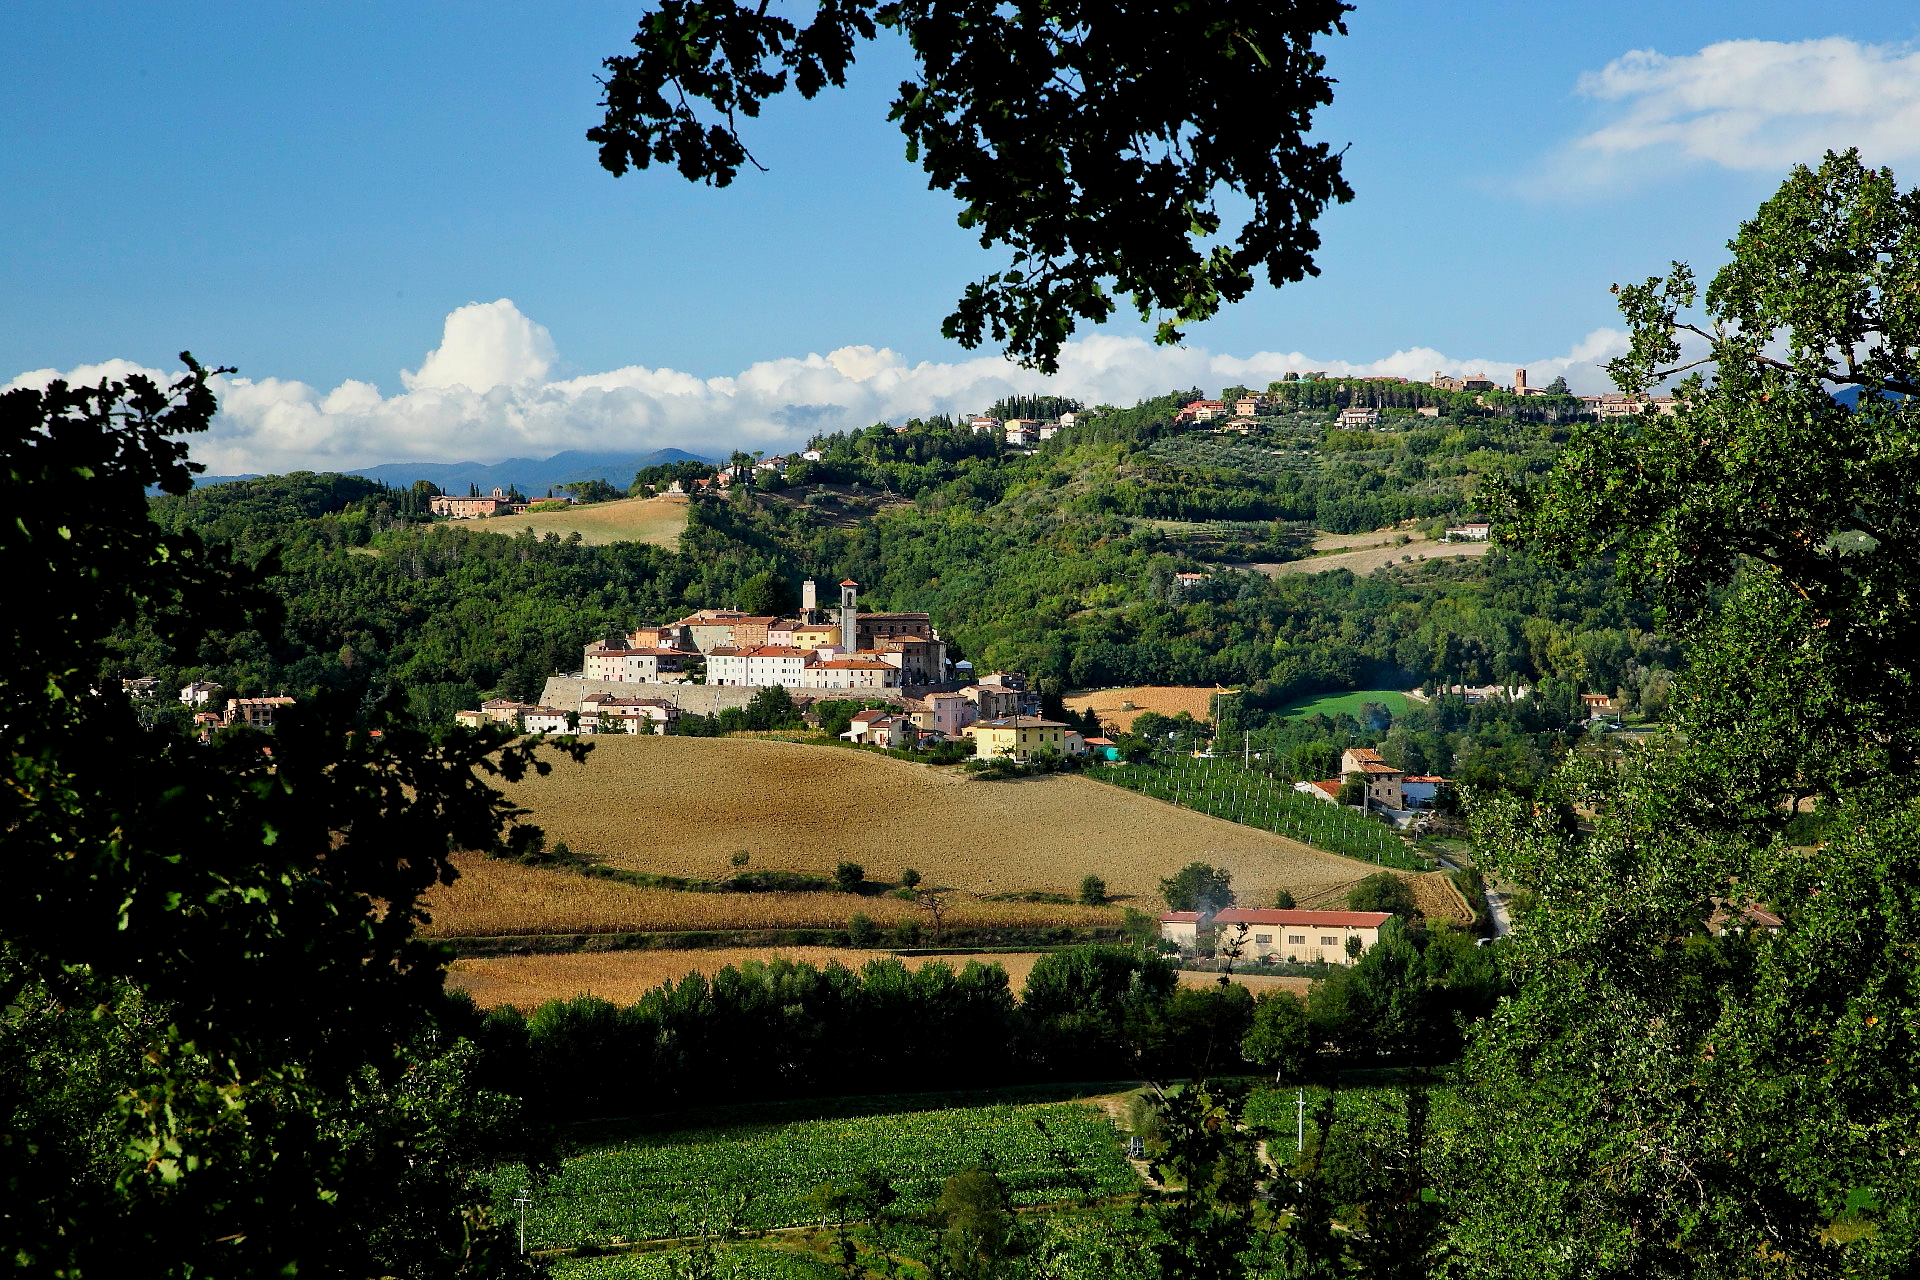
<point>1060,562</point>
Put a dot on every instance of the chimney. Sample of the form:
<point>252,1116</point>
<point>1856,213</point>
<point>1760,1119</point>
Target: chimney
<point>809,599</point>
<point>849,615</point>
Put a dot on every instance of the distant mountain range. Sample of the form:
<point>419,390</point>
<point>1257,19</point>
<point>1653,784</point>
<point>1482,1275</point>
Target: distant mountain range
<point>534,476</point>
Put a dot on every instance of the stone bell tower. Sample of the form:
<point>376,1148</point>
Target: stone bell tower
<point>849,615</point>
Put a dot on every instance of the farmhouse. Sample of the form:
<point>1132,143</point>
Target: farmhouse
<point>1328,937</point>
<point>1017,738</point>
<point>1472,531</point>
<point>1359,417</point>
<point>1382,779</point>
<point>605,713</point>
<point>636,665</point>
<point>200,693</point>
<point>544,720</point>
<point>257,713</point>
<point>882,729</point>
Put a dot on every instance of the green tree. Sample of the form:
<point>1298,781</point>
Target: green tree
<point>1093,891</point>
<point>1383,891</point>
<point>1283,900</point>
<point>255,1084</point>
<point>1096,150</point>
<point>849,877</point>
<point>1198,887</point>
<point>981,1231</point>
<point>768,595</point>
<point>1280,1040</point>
<point>1702,1094</point>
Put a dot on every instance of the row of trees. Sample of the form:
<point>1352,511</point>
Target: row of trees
<point>779,1029</point>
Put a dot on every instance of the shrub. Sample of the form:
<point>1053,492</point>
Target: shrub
<point>1283,901</point>
<point>862,932</point>
<point>1093,891</point>
<point>848,877</point>
<point>910,878</point>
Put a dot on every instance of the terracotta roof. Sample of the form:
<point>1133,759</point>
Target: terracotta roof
<point>1179,917</point>
<point>1310,919</point>
<point>1372,766</point>
<point>848,582</point>
<point>1020,722</point>
<point>1365,755</point>
<point>1332,788</point>
<point>1423,777</point>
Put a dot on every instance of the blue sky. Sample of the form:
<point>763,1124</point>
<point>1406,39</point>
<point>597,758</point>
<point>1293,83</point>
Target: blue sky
<point>310,193</point>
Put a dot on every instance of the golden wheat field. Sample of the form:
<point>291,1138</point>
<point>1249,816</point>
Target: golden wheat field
<point>655,520</point>
<point>684,806</point>
<point>492,899</point>
<point>1168,700</point>
<point>625,976</point>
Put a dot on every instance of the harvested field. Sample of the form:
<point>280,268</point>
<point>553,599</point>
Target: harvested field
<point>1356,541</point>
<point>655,520</point>
<point>683,806</point>
<point>1366,561</point>
<point>495,899</point>
<point>1168,700</point>
<point>625,976</point>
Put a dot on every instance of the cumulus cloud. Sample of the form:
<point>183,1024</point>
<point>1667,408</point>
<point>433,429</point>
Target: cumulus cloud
<point>483,395</point>
<point>1751,105</point>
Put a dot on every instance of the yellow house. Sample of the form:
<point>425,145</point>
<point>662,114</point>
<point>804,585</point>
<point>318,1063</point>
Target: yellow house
<point>1017,737</point>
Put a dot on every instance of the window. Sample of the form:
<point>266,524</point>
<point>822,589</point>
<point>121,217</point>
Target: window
<point>1297,939</point>
<point>1263,938</point>
<point>1329,942</point>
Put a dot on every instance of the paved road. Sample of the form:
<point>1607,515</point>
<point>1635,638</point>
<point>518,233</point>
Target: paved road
<point>1496,906</point>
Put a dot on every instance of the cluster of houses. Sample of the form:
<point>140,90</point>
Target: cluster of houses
<point>1021,433</point>
<point>1392,793</point>
<point>256,713</point>
<point>816,649</point>
<point>1297,937</point>
<point>997,715</point>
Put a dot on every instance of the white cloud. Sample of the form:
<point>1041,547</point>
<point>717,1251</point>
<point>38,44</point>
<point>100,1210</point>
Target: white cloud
<point>1751,105</point>
<point>482,396</point>
<point>482,346</point>
<point>1755,106</point>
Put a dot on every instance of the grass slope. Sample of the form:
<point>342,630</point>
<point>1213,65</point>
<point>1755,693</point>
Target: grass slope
<point>1334,704</point>
<point>655,520</point>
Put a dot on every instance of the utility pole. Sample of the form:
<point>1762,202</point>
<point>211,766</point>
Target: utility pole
<point>1299,1141</point>
<point>522,1201</point>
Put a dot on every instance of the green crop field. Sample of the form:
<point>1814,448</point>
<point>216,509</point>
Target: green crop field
<point>1226,789</point>
<point>752,1177</point>
<point>1333,704</point>
<point>739,1262</point>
